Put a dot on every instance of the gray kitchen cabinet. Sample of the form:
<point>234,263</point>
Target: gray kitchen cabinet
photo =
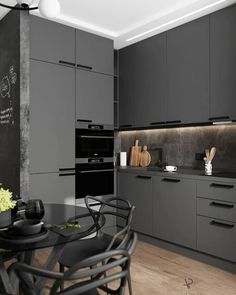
<point>143,82</point>
<point>223,64</point>
<point>51,41</point>
<point>52,188</point>
<point>94,98</point>
<point>94,52</point>
<point>174,210</point>
<point>137,188</point>
<point>188,72</point>
<point>52,113</point>
<point>216,237</point>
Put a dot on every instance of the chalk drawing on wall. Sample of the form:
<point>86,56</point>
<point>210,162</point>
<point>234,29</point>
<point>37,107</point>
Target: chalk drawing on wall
<point>6,92</point>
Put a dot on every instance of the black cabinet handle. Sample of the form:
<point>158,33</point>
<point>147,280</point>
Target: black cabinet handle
<point>219,185</point>
<point>67,63</point>
<point>221,224</point>
<point>143,177</point>
<point>66,169</point>
<point>85,121</point>
<point>84,67</point>
<point>219,118</point>
<point>125,126</point>
<point>171,180</point>
<point>173,122</point>
<point>156,123</point>
<point>222,205</point>
<point>67,174</point>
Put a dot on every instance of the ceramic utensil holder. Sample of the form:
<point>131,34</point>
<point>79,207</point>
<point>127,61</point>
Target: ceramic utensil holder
<point>208,168</point>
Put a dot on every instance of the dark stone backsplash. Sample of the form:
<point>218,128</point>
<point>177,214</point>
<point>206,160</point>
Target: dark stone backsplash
<point>180,144</point>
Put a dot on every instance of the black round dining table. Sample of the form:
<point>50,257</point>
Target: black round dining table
<point>52,236</point>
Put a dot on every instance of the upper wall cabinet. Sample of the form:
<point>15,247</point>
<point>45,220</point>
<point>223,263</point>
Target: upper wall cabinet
<point>51,41</point>
<point>188,72</point>
<point>94,98</point>
<point>94,53</point>
<point>143,82</point>
<point>223,64</point>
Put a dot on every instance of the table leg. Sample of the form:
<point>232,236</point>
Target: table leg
<point>50,264</point>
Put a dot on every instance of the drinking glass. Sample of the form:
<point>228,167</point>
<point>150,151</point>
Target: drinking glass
<point>34,209</point>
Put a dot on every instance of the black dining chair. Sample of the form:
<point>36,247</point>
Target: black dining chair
<point>102,242</point>
<point>87,276</point>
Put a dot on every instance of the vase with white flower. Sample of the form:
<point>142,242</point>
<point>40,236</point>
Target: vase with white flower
<point>6,204</point>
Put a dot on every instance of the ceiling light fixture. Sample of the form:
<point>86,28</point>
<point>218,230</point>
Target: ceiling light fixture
<point>176,20</point>
<point>47,8</point>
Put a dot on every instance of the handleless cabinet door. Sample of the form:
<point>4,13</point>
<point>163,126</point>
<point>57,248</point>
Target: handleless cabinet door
<point>51,41</point>
<point>223,63</point>
<point>137,188</point>
<point>174,210</point>
<point>94,52</point>
<point>143,82</point>
<point>52,188</point>
<point>188,72</point>
<point>94,97</point>
<point>52,115</point>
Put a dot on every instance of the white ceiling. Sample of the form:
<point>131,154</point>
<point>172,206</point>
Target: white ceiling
<point>124,19</point>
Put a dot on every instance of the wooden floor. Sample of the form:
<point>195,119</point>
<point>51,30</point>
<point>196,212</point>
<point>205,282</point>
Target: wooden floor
<point>156,271</point>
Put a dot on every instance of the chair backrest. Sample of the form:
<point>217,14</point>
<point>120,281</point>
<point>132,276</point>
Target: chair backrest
<point>118,208</point>
<point>107,267</point>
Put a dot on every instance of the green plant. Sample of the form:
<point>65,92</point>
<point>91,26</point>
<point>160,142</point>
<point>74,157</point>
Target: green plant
<point>69,225</point>
<point>6,201</point>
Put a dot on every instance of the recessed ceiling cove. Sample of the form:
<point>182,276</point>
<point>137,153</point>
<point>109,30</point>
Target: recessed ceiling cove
<point>129,21</point>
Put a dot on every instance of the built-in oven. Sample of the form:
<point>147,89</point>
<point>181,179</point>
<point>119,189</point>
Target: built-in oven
<point>95,178</point>
<point>94,143</point>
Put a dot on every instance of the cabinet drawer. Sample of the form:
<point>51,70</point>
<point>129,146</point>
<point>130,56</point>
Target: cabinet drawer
<point>216,209</point>
<point>225,191</point>
<point>216,237</point>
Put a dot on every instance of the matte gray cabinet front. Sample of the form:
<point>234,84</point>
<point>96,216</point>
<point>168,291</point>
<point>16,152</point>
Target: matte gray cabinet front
<point>174,210</point>
<point>52,125</point>
<point>94,52</point>
<point>94,97</point>
<point>52,188</point>
<point>51,41</point>
<point>223,63</point>
<point>188,72</point>
<point>137,188</point>
<point>143,82</point>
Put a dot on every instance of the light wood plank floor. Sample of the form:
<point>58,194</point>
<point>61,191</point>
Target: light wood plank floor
<point>156,271</point>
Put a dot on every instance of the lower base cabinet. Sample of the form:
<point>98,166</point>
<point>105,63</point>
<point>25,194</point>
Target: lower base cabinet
<point>137,188</point>
<point>52,188</point>
<point>216,237</point>
<point>174,210</point>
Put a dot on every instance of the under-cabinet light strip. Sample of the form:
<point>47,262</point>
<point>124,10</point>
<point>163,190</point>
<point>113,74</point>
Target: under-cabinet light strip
<point>176,20</point>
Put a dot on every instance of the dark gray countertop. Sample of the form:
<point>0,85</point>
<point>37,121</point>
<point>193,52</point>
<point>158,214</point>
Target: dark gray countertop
<point>186,172</point>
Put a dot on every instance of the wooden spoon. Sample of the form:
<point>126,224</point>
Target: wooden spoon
<point>212,153</point>
<point>207,154</point>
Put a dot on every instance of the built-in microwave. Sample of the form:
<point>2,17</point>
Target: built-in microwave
<point>94,143</point>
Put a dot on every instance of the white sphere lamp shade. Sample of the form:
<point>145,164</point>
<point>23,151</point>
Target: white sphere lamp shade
<point>49,8</point>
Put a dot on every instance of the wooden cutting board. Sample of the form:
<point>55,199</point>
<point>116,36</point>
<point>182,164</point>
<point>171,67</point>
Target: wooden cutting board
<point>145,157</point>
<point>135,154</point>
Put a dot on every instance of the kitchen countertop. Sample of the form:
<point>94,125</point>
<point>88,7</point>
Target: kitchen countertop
<point>187,172</point>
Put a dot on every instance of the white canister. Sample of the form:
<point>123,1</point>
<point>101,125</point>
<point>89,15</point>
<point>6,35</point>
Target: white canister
<point>208,168</point>
<point>123,159</point>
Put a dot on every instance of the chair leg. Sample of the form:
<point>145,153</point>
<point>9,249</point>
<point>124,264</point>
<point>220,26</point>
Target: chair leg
<point>61,269</point>
<point>129,283</point>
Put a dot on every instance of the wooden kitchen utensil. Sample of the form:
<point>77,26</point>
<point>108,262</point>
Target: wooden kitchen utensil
<point>207,154</point>
<point>145,157</point>
<point>212,154</point>
<point>135,154</point>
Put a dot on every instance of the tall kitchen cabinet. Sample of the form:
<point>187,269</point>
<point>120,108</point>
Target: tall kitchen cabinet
<point>62,85</point>
<point>188,72</point>
<point>223,64</point>
<point>142,72</point>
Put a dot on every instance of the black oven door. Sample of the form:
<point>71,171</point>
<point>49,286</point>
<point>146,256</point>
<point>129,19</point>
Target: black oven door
<point>94,179</point>
<point>94,143</point>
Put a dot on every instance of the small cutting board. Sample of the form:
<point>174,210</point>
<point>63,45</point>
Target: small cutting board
<point>145,157</point>
<point>135,154</point>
